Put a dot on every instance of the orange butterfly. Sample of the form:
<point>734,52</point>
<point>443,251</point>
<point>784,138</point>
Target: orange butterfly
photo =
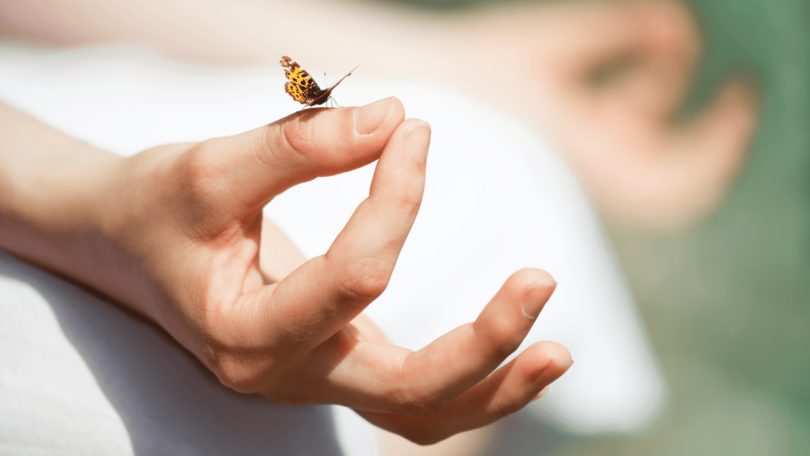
<point>302,88</point>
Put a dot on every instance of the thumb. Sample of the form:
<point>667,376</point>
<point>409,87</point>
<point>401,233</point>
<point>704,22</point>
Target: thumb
<point>697,164</point>
<point>719,140</point>
<point>660,68</point>
<point>262,163</point>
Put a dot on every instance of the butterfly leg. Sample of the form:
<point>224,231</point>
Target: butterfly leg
<point>332,99</point>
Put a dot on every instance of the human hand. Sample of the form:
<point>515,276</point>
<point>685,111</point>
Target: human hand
<point>643,168</point>
<point>176,233</point>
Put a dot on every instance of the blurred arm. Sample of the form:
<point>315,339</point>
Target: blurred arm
<point>239,31</point>
<point>532,61</point>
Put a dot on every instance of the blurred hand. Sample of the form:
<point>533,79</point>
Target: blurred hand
<point>175,233</point>
<point>536,61</point>
<point>641,167</point>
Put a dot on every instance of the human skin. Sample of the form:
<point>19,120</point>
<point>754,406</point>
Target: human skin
<point>176,234</point>
<point>645,164</point>
<point>533,61</point>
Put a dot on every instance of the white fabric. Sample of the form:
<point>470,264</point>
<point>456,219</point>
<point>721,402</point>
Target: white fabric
<point>497,200</point>
<point>79,376</point>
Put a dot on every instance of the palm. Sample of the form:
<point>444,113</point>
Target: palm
<point>230,287</point>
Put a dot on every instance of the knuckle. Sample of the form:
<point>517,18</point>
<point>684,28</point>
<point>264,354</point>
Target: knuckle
<point>419,409</point>
<point>203,173</point>
<point>500,409</point>
<point>364,282</point>
<point>293,138</point>
<point>238,366</point>
<point>500,336</point>
<point>237,376</point>
<point>408,202</point>
<point>421,404</point>
<point>199,181</point>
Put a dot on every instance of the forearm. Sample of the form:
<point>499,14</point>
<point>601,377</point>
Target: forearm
<point>43,171</point>
<point>245,31</point>
<point>64,205</point>
<point>50,205</point>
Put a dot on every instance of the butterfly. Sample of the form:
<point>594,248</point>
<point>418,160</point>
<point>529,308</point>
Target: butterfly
<point>302,87</point>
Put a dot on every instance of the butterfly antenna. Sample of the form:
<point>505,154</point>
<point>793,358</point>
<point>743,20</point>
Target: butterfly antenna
<point>344,77</point>
<point>325,82</point>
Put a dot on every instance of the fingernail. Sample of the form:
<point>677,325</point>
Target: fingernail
<point>546,376</point>
<point>417,140</point>
<point>564,362</point>
<point>369,117</point>
<point>536,296</point>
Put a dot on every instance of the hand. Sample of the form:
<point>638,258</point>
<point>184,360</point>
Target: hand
<point>175,233</point>
<point>643,169</point>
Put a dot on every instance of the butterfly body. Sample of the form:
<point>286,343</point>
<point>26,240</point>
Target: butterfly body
<point>302,88</point>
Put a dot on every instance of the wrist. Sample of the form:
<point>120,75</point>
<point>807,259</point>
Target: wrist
<point>56,193</point>
<point>48,201</point>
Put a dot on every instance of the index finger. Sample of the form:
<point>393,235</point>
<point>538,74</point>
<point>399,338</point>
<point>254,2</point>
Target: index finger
<point>327,292</point>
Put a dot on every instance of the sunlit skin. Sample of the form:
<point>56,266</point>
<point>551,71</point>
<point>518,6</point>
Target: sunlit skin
<point>176,233</point>
<point>642,169</point>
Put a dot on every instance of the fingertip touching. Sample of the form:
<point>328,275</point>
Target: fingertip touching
<point>332,141</point>
<point>260,164</point>
<point>370,118</point>
<point>417,140</point>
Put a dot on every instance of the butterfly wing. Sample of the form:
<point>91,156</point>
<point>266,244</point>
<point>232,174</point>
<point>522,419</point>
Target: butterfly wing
<point>295,92</point>
<point>300,84</point>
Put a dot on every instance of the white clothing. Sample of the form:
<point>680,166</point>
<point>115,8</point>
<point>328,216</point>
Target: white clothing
<point>77,371</point>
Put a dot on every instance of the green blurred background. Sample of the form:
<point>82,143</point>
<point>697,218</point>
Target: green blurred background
<point>727,303</point>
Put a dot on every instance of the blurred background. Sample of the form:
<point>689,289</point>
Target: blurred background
<point>687,123</point>
<point>726,296</point>
<point>727,300</point>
